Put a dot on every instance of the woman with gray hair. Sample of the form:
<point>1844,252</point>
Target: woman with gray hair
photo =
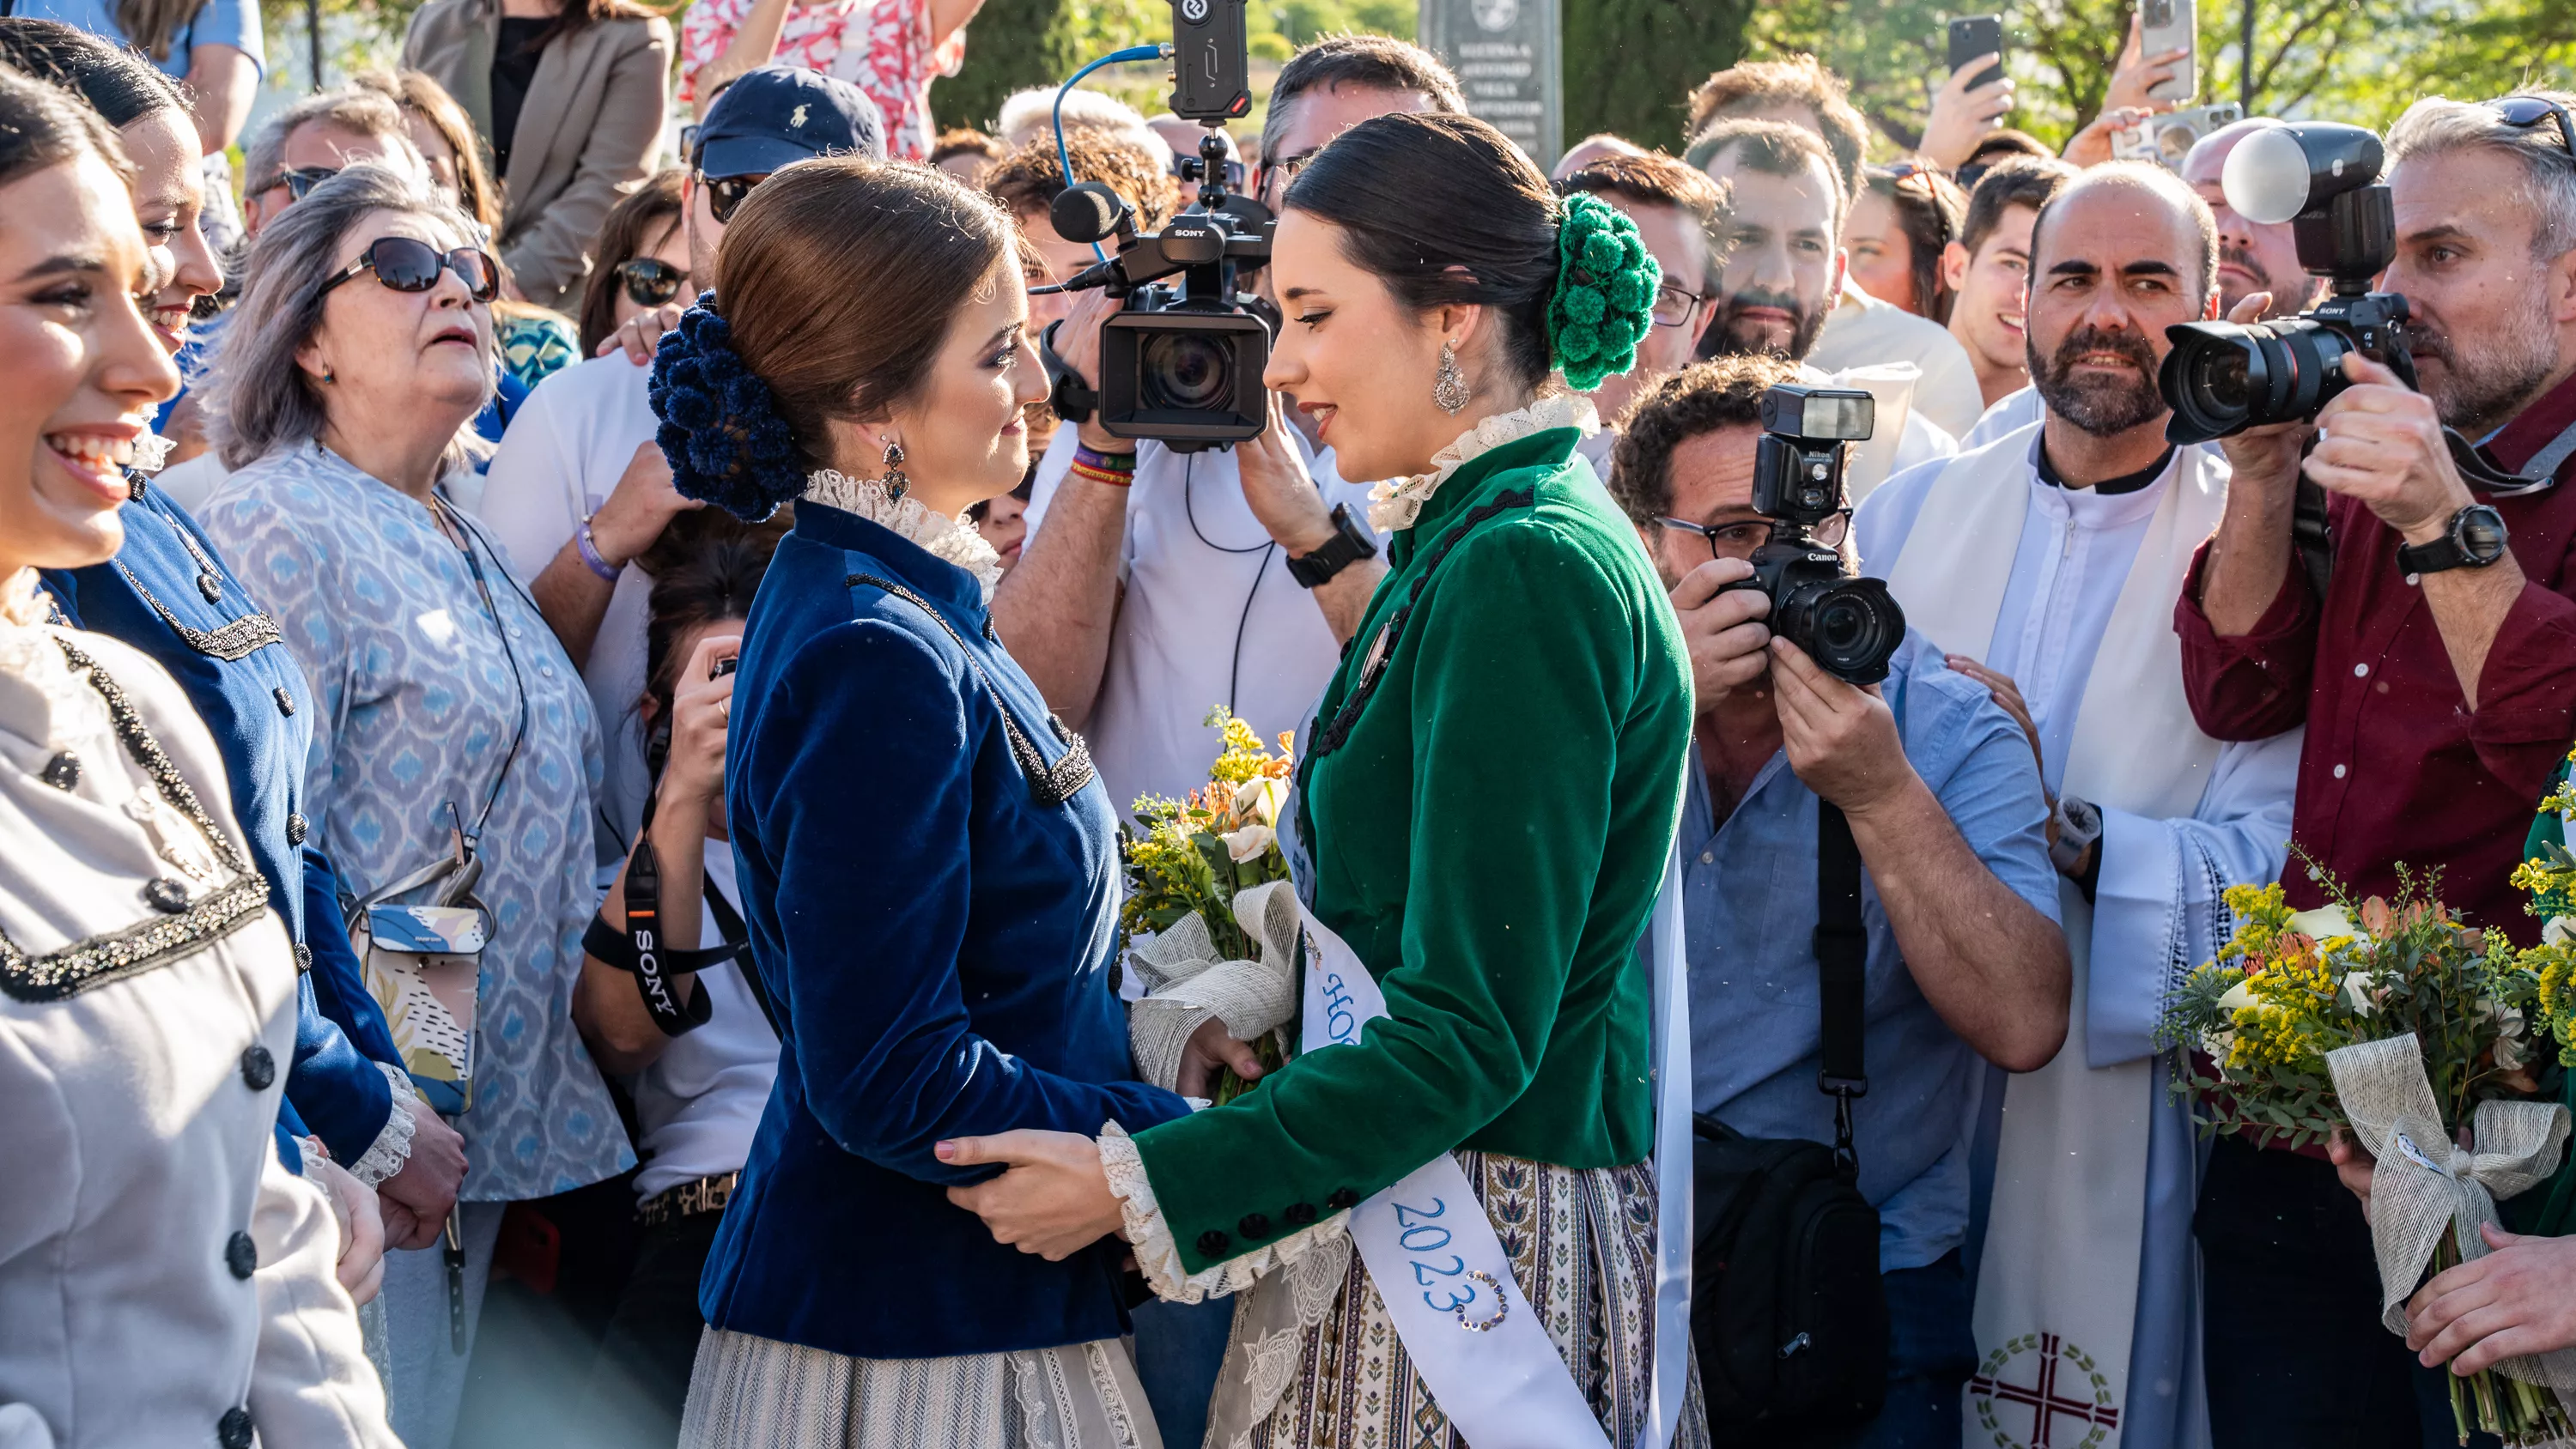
<point>449,727</point>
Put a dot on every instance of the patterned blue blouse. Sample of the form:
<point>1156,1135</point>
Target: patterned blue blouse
<point>420,694</point>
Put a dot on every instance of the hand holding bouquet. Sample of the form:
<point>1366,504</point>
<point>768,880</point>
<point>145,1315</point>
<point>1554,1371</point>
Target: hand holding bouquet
<point>1199,912</point>
<point>2417,1034</point>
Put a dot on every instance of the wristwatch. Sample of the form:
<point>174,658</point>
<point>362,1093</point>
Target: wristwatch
<point>1349,544</point>
<point>2079,827</point>
<point>2474,539</point>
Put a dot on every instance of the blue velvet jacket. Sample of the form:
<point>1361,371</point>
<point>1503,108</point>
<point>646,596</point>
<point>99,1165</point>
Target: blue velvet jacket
<point>937,941</point>
<point>168,594</point>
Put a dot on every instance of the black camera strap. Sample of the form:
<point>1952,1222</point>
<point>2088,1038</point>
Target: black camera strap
<point>1071,399</point>
<point>639,950</point>
<point>1842,976</point>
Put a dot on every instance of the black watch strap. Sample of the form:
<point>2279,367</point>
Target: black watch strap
<point>2474,538</point>
<point>1349,544</point>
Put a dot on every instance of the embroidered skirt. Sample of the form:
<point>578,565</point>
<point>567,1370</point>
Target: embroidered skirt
<point>747,1392</point>
<point>1582,1243</point>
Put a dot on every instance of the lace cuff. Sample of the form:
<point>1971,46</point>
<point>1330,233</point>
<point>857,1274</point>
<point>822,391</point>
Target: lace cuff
<point>1158,1253</point>
<point>392,1148</point>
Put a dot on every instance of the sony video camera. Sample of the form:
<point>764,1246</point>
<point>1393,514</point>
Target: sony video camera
<point>2224,377</point>
<point>1850,626</point>
<point>1182,361</point>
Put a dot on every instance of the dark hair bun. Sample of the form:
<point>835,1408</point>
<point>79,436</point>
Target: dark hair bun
<point>720,429</point>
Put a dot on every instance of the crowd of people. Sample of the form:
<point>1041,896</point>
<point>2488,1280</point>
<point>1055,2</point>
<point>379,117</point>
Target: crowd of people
<point>569,722</point>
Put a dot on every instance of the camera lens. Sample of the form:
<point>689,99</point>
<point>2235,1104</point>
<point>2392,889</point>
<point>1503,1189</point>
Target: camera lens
<point>2218,380</point>
<point>1851,627</point>
<point>1185,372</point>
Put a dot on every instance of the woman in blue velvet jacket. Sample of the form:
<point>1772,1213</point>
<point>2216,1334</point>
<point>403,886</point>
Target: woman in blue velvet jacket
<point>927,862</point>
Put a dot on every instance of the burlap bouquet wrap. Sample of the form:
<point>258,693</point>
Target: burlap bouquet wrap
<point>2425,1186</point>
<point>1186,982</point>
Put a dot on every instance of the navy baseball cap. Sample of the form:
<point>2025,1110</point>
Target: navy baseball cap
<point>775,116</point>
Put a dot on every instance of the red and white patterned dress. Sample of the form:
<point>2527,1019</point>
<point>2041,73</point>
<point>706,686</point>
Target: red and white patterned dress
<point>881,46</point>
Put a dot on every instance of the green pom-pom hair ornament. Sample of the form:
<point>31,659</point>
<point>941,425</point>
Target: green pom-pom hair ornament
<point>1605,292</point>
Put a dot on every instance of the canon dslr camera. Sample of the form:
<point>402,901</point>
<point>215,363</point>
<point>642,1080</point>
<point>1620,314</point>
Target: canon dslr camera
<point>1850,626</point>
<point>2224,377</point>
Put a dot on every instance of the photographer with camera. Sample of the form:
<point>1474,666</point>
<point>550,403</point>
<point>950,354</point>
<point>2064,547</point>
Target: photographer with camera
<point>1158,583</point>
<point>2427,639</point>
<point>1963,957</point>
<point>2047,563</point>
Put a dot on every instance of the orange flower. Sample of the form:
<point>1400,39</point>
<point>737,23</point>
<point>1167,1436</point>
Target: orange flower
<point>2376,918</point>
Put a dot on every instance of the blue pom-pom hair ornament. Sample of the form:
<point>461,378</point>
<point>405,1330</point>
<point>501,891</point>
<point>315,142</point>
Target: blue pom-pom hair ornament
<point>1605,292</point>
<point>720,429</point>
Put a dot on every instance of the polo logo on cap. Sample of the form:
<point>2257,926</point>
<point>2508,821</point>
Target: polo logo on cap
<point>796,118</point>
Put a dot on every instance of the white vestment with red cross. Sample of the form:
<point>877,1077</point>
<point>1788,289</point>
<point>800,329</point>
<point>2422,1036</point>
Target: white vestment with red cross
<point>2082,1195</point>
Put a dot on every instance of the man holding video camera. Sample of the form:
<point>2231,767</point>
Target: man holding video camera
<point>1963,957</point>
<point>1157,585</point>
<point>2430,649</point>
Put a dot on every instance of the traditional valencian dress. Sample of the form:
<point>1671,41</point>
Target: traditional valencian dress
<point>1487,806</point>
<point>164,1279</point>
<point>928,869</point>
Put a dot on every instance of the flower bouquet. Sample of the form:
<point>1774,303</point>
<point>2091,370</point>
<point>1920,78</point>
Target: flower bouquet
<point>2416,1034</point>
<point>1197,889</point>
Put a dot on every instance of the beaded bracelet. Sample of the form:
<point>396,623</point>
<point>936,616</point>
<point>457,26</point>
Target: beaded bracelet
<point>1114,470</point>
<point>591,556</point>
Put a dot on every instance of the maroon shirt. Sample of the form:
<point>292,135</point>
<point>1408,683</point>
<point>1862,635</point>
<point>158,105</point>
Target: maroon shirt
<point>2396,767</point>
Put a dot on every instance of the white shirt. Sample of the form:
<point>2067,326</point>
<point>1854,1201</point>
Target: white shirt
<point>1210,618</point>
<point>1862,330</point>
<point>2011,413</point>
<point>566,448</point>
<point>700,1102</point>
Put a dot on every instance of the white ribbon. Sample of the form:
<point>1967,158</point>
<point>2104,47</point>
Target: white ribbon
<point>2425,1185</point>
<point>1443,1273</point>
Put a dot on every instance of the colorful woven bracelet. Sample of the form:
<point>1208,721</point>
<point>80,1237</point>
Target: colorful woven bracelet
<point>1114,470</point>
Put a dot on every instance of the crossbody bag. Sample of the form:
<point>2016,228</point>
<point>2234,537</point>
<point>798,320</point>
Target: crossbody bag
<point>1787,1311</point>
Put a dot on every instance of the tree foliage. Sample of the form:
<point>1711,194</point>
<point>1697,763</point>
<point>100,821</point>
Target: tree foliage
<point>1630,63</point>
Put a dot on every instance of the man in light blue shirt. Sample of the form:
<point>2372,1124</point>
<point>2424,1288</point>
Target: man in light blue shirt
<point>1966,962</point>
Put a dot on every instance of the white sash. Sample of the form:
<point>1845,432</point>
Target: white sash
<point>1443,1274</point>
<point>2057,1289</point>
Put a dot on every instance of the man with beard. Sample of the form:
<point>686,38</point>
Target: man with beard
<point>2048,562</point>
<point>1782,264</point>
<point>2437,669</point>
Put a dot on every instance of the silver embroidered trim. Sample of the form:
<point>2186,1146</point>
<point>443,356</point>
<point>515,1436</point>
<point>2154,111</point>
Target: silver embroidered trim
<point>231,642</point>
<point>115,955</point>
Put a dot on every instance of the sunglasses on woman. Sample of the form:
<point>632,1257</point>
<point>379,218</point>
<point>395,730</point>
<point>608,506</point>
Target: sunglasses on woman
<point>408,265</point>
<point>650,281</point>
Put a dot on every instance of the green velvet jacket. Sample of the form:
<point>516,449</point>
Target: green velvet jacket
<point>1489,814</point>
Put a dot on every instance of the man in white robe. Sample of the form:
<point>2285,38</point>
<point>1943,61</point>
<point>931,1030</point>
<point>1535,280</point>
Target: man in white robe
<point>2048,563</point>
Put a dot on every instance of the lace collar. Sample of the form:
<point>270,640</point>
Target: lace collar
<point>1395,505</point>
<point>951,540</point>
<point>41,700</point>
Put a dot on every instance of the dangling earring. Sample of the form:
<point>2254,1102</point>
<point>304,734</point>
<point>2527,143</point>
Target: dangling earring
<point>894,482</point>
<point>329,376</point>
<point>1449,390</point>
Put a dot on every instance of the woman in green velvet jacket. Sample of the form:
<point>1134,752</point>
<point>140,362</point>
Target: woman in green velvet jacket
<point>1487,802</point>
